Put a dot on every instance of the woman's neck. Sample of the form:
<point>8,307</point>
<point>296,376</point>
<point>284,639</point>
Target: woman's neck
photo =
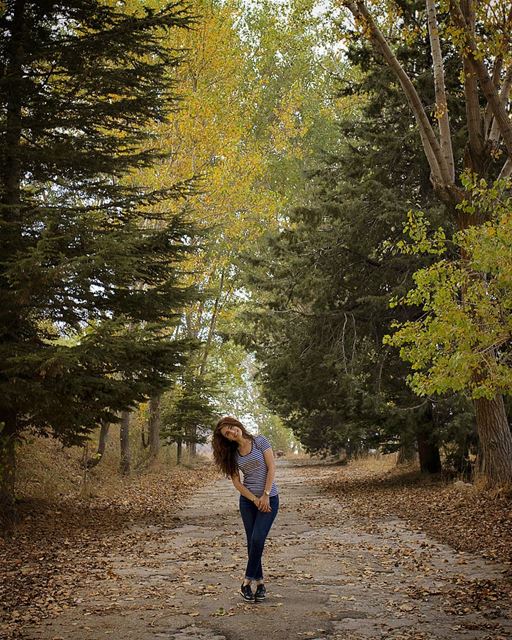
<point>243,443</point>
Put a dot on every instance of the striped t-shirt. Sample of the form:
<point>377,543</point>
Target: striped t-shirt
<point>254,467</point>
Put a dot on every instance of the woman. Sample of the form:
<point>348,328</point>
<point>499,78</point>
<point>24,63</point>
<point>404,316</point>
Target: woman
<point>235,450</point>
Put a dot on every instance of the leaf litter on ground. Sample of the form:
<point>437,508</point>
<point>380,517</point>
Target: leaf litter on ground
<point>59,546</point>
<point>453,513</point>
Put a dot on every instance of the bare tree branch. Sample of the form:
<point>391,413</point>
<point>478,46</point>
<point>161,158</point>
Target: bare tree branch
<point>496,77</point>
<point>343,343</point>
<point>489,90</point>
<point>440,171</point>
<point>504,97</point>
<point>473,113</point>
<point>211,328</point>
<point>440,88</point>
<point>354,341</point>
<point>506,170</point>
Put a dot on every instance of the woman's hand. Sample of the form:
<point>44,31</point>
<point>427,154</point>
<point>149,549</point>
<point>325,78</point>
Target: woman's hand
<point>263,503</point>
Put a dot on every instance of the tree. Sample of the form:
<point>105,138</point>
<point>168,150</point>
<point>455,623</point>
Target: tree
<point>488,150</point>
<point>89,285</point>
<point>188,413</point>
<point>462,341</point>
<point>154,425</point>
<point>102,443</point>
<point>254,107</point>
<point>322,284</point>
<point>213,136</point>
<point>125,460</point>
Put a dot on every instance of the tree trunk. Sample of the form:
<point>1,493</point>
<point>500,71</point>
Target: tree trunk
<point>179,450</point>
<point>211,328</point>
<point>495,442</point>
<point>96,459</point>
<point>125,443</point>
<point>192,445</point>
<point>491,419</point>
<point>488,87</point>
<point>428,445</point>
<point>406,453</point>
<point>8,471</point>
<point>154,426</point>
<point>442,113</point>
<point>428,452</point>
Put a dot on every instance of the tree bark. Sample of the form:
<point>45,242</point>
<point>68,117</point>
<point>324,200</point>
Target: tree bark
<point>475,145</point>
<point>96,459</point>
<point>496,76</point>
<point>428,452</point>
<point>125,463</point>
<point>442,113</point>
<point>494,133</point>
<point>154,426</point>
<point>506,170</point>
<point>495,442</point>
<point>429,456</point>
<point>8,471</point>
<point>427,441</point>
<point>179,450</point>
<point>486,83</point>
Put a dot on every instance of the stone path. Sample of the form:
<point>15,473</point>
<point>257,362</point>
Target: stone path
<point>329,577</point>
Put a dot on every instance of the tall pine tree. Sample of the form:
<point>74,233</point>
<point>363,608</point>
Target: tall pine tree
<point>89,262</point>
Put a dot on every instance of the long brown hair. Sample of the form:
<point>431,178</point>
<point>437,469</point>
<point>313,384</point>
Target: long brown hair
<point>224,450</point>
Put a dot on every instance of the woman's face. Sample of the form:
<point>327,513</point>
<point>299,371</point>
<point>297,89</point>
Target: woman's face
<point>231,432</point>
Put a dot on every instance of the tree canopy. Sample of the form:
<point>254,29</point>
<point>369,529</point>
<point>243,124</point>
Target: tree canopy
<point>202,205</point>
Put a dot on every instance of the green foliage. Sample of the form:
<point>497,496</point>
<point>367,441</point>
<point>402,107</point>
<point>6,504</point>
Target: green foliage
<point>272,427</point>
<point>289,86</point>
<point>90,259</point>
<point>256,109</point>
<point>462,340</point>
<point>188,411</point>
<point>423,240</point>
<point>238,393</point>
<point>321,285</point>
<point>314,333</point>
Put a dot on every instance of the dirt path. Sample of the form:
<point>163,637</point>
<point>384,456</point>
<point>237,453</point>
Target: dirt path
<point>330,577</point>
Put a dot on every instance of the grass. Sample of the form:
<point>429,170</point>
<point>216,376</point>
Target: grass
<point>47,471</point>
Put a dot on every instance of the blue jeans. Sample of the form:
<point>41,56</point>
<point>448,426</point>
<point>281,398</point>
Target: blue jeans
<point>257,525</point>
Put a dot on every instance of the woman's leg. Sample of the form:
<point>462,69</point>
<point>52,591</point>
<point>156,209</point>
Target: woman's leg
<point>249,512</point>
<point>260,528</point>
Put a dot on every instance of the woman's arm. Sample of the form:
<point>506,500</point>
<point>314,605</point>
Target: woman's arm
<point>235,479</point>
<point>268,455</point>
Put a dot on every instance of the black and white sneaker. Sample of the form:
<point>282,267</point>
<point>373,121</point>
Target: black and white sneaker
<point>261,593</point>
<point>246,592</point>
